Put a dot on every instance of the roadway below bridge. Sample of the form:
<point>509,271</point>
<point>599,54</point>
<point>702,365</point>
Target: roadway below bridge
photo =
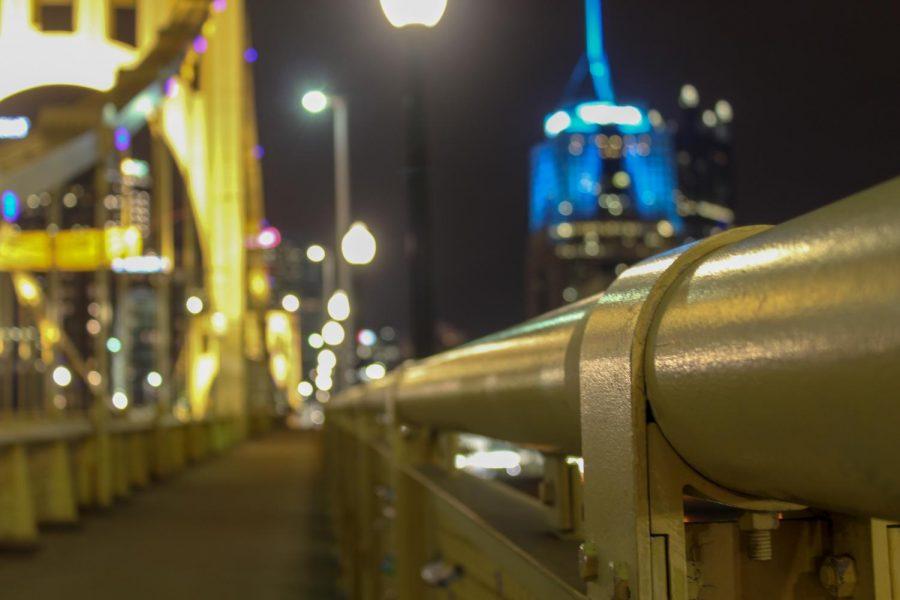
<point>250,524</point>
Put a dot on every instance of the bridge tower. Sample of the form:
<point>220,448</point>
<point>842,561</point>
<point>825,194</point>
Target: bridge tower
<point>175,69</point>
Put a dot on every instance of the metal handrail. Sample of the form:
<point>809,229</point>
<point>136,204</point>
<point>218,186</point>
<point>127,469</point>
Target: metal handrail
<point>769,361</point>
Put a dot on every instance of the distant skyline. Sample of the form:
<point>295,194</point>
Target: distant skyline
<point>811,83</point>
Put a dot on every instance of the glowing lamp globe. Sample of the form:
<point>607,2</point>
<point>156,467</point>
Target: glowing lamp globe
<point>375,371</point>
<point>305,389</point>
<point>339,306</point>
<point>327,360</point>
<point>314,101</point>
<point>290,303</point>
<point>358,245</point>
<point>402,13</point>
<point>315,253</point>
<point>333,333</point>
<point>120,400</point>
<point>154,379</point>
<point>62,376</point>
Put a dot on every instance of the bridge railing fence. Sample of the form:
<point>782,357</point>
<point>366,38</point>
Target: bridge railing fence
<point>721,422</point>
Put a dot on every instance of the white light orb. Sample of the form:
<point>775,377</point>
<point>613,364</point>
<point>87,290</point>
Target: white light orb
<point>290,303</point>
<point>114,345</point>
<point>315,101</point>
<point>194,305</point>
<point>305,389</point>
<point>358,245</point>
<point>333,333</point>
<point>724,111</point>
<point>62,376</point>
<point>120,400</point>
<point>689,96</point>
<point>327,359</point>
<point>315,253</point>
<point>339,306</point>
<point>324,382</point>
<point>557,123</point>
<point>376,371</point>
<point>154,379</point>
<point>402,13</point>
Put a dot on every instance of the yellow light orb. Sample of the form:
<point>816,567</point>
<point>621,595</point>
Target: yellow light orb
<point>94,378</point>
<point>665,228</point>
<point>376,371</point>
<point>219,323</point>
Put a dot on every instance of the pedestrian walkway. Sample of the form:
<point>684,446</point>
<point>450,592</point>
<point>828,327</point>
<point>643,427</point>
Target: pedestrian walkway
<point>250,524</point>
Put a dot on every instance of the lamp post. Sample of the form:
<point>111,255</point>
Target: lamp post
<point>316,102</point>
<point>355,241</point>
<point>416,15</point>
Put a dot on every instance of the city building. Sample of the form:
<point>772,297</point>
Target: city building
<point>704,161</point>
<point>302,282</point>
<point>614,183</point>
<point>297,285</point>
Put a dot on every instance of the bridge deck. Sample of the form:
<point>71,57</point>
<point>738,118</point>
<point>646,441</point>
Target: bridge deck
<point>251,524</point>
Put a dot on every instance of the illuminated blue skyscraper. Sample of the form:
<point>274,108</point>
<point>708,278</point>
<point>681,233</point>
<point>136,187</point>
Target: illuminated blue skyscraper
<point>604,184</point>
<point>597,148</point>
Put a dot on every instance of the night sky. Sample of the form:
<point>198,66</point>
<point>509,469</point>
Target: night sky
<point>814,86</point>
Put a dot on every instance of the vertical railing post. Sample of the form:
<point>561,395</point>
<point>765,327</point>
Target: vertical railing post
<point>365,488</point>
<point>410,448</point>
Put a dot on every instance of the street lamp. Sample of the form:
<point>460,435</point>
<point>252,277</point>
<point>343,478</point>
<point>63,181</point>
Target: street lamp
<point>315,102</point>
<point>417,15</point>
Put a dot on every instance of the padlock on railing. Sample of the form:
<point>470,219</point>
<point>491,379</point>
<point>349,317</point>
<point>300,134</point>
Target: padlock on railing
<point>439,573</point>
